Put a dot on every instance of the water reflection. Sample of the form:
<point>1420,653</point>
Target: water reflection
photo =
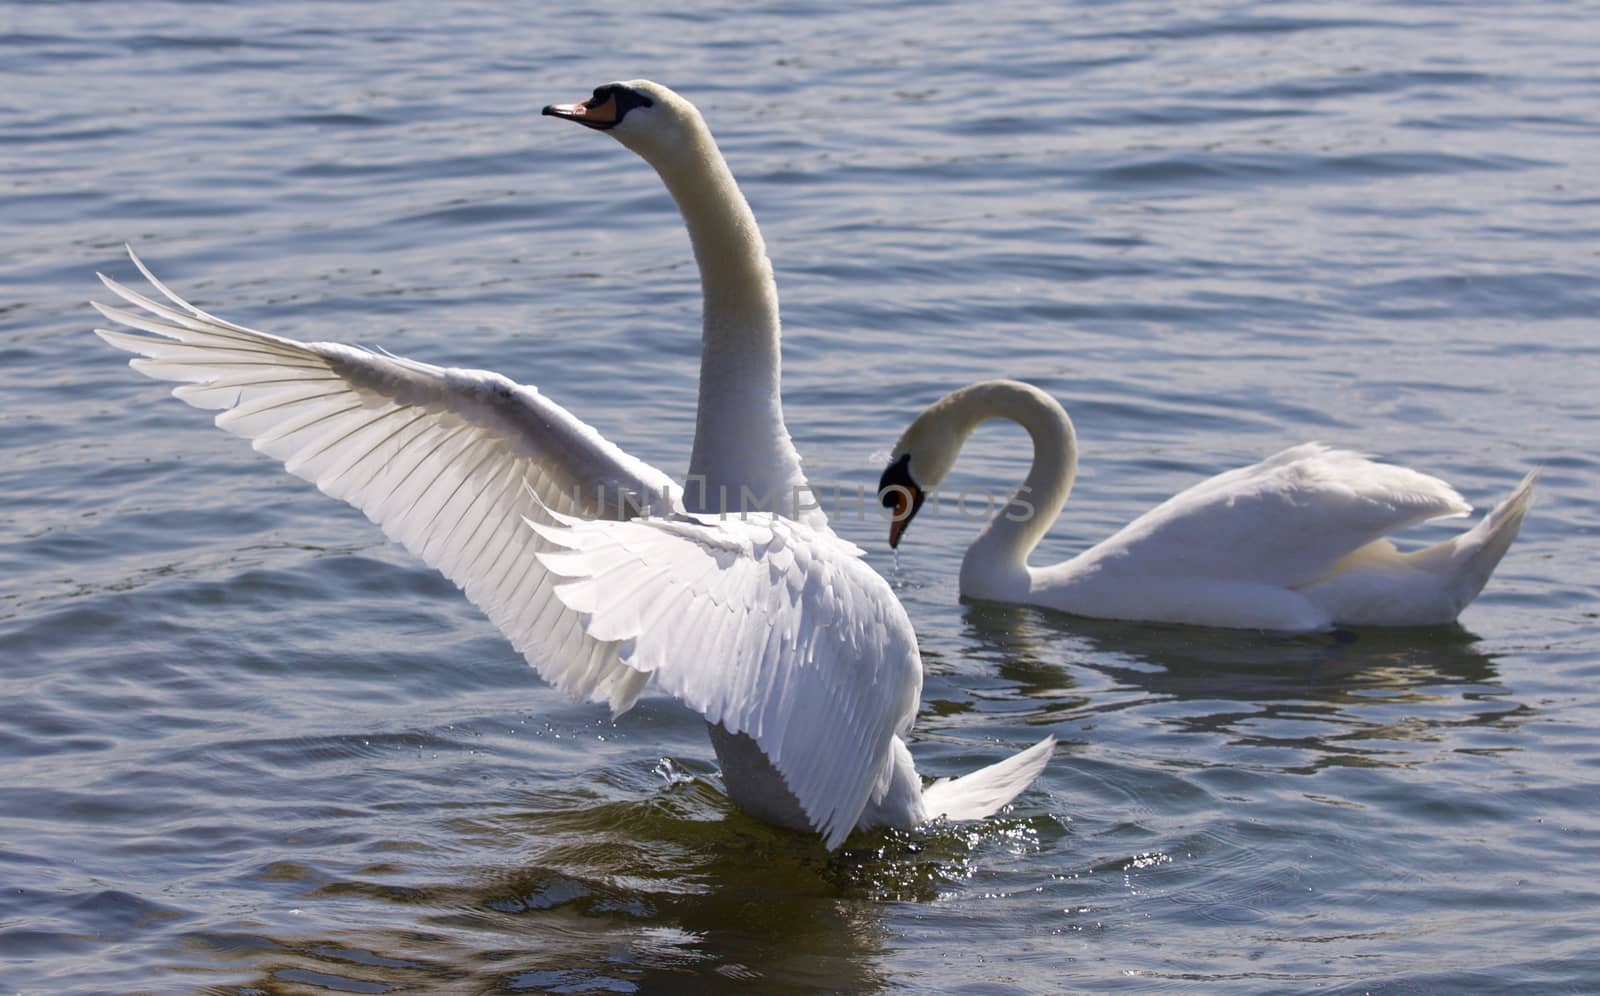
<point>1373,696</point>
<point>671,892</point>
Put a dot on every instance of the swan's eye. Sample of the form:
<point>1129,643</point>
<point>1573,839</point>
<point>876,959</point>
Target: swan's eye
<point>896,482</point>
<point>622,99</point>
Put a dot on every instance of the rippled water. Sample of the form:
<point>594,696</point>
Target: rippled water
<point>247,747</point>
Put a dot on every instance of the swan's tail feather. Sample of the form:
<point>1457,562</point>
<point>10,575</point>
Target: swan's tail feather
<point>983,792</point>
<point>1465,562</point>
<point>1479,549</point>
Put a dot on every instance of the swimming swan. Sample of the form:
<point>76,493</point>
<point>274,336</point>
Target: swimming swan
<point>798,655</point>
<point>1296,542</point>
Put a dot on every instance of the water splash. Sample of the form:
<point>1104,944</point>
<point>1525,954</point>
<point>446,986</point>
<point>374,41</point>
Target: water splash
<point>670,774</point>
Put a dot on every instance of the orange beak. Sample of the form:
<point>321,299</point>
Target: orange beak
<point>899,493</point>
<point>900,516</point>
<point>600,114</point>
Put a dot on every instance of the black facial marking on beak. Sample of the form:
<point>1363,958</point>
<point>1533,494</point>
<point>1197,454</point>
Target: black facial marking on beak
<point>605,110</point>
<point>901,495</point>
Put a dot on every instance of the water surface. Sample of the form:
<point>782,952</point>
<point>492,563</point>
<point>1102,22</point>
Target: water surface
<point>246,746</point>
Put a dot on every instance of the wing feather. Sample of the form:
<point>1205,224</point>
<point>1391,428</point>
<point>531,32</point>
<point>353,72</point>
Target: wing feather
<point>1286,520</point>
<point>450,462</point>
<point>821,674</point>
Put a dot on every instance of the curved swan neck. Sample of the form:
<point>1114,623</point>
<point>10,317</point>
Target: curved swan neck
<point>1002,549</point>
<point>735,274</point>
<point>740,436</point>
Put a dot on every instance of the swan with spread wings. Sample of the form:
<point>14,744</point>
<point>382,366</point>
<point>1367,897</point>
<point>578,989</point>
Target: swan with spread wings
<point>798,654</point>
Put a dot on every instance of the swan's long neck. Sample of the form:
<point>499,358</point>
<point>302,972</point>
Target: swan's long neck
<point>997,561</point>
<point>740,437</point>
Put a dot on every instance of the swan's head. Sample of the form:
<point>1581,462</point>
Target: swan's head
<point>901,495</point>
<point>647,117</point>
<point>920,461</point>
<point>927,450</point>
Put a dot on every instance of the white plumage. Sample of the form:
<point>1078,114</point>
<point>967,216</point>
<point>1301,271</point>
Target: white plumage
<point>763,625</point>
<point>799,656</point>
<point>1298,541</point>
<point>441,458</point>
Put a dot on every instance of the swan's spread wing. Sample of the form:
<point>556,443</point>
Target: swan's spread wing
<point>765,625</point>
<point>1286,520</point>
<point>443,459</point>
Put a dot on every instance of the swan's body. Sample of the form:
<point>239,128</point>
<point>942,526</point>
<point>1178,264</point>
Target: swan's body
<point>1296,542</point>
<point>590,561</point>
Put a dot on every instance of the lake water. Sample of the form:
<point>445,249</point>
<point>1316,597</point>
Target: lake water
<point>246,746</point>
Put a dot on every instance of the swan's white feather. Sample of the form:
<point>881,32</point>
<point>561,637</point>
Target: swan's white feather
<point>985,791</point>
<point>811,655</point>
<point>442,458</point>
<point>770,628</point>
<point>1285,521</point>
<point>1297,541</point>
<point>799,656</point>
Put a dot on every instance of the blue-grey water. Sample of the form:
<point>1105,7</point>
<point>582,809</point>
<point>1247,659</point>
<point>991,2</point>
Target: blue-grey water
<point>246,746</point>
